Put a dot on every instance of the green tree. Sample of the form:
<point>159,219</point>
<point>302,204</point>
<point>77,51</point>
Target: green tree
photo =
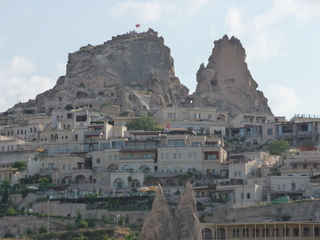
<point>69,226</point>
<point>24,192</point>
<point>5,187</point>
<point>146,123</point>
<point>20,166</point>
<point>278,147</point>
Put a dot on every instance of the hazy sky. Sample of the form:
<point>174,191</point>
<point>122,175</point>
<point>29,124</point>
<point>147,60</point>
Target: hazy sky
<point>281,38</point>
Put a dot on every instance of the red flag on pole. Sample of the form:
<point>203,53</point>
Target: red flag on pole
<point>138,25</point>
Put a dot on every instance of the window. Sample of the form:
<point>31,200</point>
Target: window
<point>17,131</point>
<point>235,174</point>
<point>167,156</point>
<point>110,157</point>
<point>98,160</point>
<point>294,166</point>
<point>162,156</point>
<point>248,195</point>
<point>270,131</point>
<point>240,173</point>
<point>278,187</point>
<point>304,166</point>
<point>283,187</point>
<point>180,155</point>
<point>211,157</point>
<point>70,167</point>
<point>315,165</point>
<point>194,155</point>
<point>196,144</point>
<point>190,155</point>
<point>209,116</point>
<point>64,167</point>
<point>146,156</point>
<point>128,157</point>
<point>31,130</point>
<point>175,156</point>
<point>176,143</point>
<point>51,166</point>
<point>115,157</point>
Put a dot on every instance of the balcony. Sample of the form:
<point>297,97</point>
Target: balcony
<point>137,160</point>
<point>93,133</point>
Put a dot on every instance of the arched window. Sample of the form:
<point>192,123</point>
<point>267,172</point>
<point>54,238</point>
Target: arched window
<point>207,233</point>
<point>286,232</point>
<point>265,232</point>
<point>255,232</point>
<point>245,232</point>
<point>306,232</point>
<point>220,233</point>
<point>317,231</point>
<point>235,233</point>
<point>296,232</point>
<point>276,232</point>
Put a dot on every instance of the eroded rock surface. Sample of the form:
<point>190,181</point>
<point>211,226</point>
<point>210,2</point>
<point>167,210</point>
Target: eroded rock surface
<point>183,224</point>
<point>159,224</point>
<point>134,71</point>
<point>226,82</point>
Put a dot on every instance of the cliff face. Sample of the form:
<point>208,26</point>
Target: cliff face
<point>134,71</point>
<point>226,82</point>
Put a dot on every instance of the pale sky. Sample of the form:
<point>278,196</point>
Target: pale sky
<point>281,38</point>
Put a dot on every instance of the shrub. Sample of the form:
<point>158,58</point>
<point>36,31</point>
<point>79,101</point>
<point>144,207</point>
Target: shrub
<point>82,224</point>
<point>8,234</point>
<point>42,229</point>
<point>69,226</point>
<point>106,220</point>
<point>91,222</point>
<point>29,231</point>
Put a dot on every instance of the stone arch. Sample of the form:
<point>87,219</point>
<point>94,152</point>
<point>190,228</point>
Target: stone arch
<point>127,168</point>
<point>206,233</point>
<point>155,182</point>
<point>135,183</point>
<point>255,232</point>
<point>144,168</point>
<point>295,232</point>
<point>169,182</point>
<point>112,167</point>
<point>221,117</point>
<point>269,141</point>
<point>276,232</point>
<point>119,183</point>
<point>66,180</point>
<point>80,179</point>
<point>68,107</point>
<point>306,232</point>
<point>220,233</point>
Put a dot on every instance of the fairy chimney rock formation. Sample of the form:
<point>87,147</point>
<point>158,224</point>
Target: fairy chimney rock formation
<point>186,216</point>
<point>159,223</point>
<point>226,82</point>
<point>183,224</point>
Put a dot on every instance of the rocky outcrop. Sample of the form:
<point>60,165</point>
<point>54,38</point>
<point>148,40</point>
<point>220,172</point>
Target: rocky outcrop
<point>183,224</point>
<point>186,217</point>
<point>226,82</point>
<point>134,71</point>
<point>159,223</point>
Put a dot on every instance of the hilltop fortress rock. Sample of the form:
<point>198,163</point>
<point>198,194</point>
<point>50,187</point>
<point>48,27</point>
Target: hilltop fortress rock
<point>226,82</point>
<point>134,71</point>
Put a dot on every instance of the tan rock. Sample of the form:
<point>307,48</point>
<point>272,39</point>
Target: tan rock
<point>186,216</point>
<point>159,224</point>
